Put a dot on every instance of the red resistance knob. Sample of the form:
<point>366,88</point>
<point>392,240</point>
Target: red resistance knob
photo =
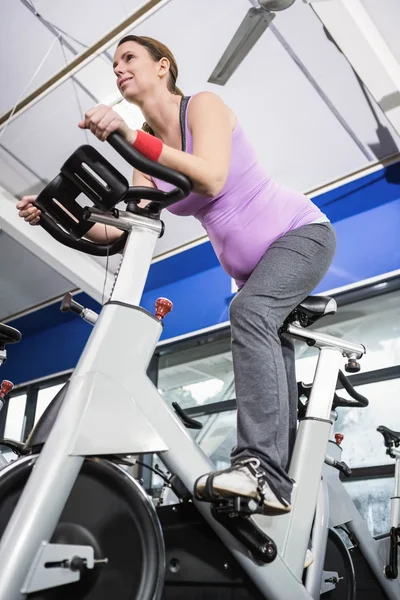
<point>163,307</point>
<point>339,437</point>
<point>6,387</point>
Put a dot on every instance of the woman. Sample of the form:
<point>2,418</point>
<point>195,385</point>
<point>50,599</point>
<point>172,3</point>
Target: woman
<point>273,241</point>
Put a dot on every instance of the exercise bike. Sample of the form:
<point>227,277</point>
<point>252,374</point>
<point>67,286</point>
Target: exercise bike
<point>8,335</point>
<point>187,541</point>
<point>75,524</point>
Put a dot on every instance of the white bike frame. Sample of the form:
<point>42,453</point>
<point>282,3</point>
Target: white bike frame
<point>395,500</point>
<point>335,507</point>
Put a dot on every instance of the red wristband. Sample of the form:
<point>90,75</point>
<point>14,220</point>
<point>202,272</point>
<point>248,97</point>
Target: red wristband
<point>148,145</point>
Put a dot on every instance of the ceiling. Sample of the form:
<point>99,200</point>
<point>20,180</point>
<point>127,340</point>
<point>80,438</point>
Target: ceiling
<point>309,116</point>
<point>25,279</point>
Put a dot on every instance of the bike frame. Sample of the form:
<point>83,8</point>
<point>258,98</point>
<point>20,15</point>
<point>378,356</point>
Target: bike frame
<point>111,407</point>
<point>335,507</point>
<point>395,500</point>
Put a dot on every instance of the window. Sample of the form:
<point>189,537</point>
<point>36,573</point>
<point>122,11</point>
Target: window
<point>218,437</point>
<point>25,405</point>
<point>15,421</point>
<point>44,397</point>
<point>372,499</point>
<point>362,445</point>
<point>197,377</point>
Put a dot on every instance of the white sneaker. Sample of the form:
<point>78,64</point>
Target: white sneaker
<point>245,479</point>
<point>309,558</point>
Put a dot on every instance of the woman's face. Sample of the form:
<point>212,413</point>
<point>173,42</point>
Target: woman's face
<point>136,70</point>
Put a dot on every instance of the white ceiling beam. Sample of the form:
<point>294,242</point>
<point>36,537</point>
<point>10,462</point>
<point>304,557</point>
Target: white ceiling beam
<point>365,24</point>
<point>362,43</point>
<point>141,14</point>
<point>80,269</point>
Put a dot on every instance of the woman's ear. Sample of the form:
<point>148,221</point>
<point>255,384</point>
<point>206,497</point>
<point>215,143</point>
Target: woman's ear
<point>163,66</point>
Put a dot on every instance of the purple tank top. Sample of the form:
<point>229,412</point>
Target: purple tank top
<point>250,213</point>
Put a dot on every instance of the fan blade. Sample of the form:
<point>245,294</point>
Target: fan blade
<point>275,5</point>
<point>250,30</point>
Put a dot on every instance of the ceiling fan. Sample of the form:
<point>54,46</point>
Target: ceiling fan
<point>256,21</point>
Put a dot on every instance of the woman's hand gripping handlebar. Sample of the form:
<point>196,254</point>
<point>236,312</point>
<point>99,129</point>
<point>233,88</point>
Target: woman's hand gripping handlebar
<point>87,172</point>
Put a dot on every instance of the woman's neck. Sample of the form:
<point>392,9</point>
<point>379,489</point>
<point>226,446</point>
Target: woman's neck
<point>161,113</point>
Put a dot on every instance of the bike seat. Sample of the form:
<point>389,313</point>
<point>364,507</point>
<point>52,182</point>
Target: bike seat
<point>311,309</point>
<point>390,436</point>
<point>8,335</point>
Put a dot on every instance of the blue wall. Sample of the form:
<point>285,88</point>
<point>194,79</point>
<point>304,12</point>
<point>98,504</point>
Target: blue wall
<point>366,216</point>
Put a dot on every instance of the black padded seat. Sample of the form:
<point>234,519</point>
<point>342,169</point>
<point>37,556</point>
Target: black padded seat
<point>390,436</point>
<point>312,309</point>
<point>8,335</point>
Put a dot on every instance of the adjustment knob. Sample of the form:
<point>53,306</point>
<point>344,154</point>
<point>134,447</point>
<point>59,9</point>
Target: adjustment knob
<point>68,303</point>
<point>352,366</point>
<point>339,437</point>
<point>163,307</point>
<point>6,387</point>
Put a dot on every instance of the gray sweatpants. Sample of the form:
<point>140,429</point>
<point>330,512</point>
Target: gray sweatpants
<point>264,364</point>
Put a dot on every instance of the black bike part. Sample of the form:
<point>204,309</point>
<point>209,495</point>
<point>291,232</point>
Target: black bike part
<point>360,401</point>
<point>84,172</point>
<point>304,389</point>
<point>57,205</point>
<point>198,565</point>
<point>41,431</point>
<point>391,439</point>
<point>160,199</point>
<point>352,366</point>
<point>343,468</point>
<point>109,511</point>
<point>179,488</point>
<point>8,335</point>
<point>186,420</point>
<point>311,309</point>
<point>93,248</point>
<point>231,515</point>
<point>63,217</point>
<point>69,304</point>
<point>95,177</point>
<point>368,587</point>
<point>392,569</point>
<point>14,446</point>
<point>338,560</point>
<point>87,172</point>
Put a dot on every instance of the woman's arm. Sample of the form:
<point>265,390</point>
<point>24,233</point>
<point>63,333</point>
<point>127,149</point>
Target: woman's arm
<point>210,121</point>
<point>107,233</point>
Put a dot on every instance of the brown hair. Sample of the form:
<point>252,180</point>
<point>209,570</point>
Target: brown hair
<point>157,51</point>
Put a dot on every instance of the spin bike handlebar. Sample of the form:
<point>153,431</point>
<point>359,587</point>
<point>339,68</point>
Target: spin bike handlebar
<point>360,400</point>
<point>87,172</point>
<point>160,199</point>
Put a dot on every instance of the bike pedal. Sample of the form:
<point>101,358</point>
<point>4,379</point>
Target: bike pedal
<point>234,514</point>
<point>236,507</point>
